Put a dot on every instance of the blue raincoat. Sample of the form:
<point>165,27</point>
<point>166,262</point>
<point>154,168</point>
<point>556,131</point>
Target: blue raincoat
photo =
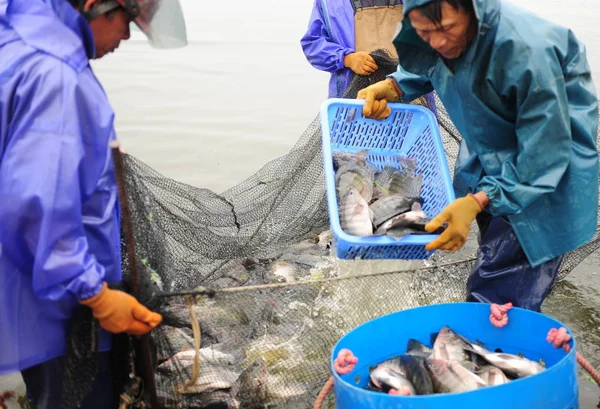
<point>329,38</point>
<point>523,99</point>
<point>59,222</point>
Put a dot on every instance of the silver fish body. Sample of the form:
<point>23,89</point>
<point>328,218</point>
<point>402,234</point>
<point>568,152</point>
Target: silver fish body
<point>390,206</point>
<point>492,376</point>
<point>412,368</point>
<point>452,377</point>
<point>512,365</point>
<point>402,220</point>
<point>355,214</point>
<point>386,378</point>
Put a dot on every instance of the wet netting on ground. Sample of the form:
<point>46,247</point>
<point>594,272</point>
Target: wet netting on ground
<point>279,299</point>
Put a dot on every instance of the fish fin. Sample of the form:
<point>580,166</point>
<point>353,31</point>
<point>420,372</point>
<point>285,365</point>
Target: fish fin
<point>481,344</point>
<point>382,189</point>
<point>475,349</point>
<point>380,232</point>
<point>363,153</point>
<point>415,345</point>
<point>433,336</point>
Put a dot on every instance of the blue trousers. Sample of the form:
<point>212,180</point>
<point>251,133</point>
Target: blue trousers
<point>502,273</point>
<point>44,384</point>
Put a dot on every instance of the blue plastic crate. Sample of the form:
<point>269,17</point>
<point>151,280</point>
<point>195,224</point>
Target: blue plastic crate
<point>410,130</point>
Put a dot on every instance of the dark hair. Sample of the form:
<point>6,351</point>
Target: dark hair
<point>433,10</point>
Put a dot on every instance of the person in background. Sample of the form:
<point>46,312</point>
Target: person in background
<point>520,91</point>
<point>59,214</point>
<point>342,33</point>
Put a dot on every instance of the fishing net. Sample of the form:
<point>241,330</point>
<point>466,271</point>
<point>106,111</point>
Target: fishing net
<point>279,299</point>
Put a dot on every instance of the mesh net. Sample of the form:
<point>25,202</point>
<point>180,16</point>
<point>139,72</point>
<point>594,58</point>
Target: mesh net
<point>283,299</point>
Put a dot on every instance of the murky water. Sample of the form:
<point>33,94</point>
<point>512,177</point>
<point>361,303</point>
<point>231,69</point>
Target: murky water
<point>242,92</point>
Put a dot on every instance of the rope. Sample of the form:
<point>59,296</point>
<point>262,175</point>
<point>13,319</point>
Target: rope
<point>328,387</point>
<point>197,344</point>
<point>212,292</point>
<point>560,338</point>
<point>498,316</point>
<point>343,364</point>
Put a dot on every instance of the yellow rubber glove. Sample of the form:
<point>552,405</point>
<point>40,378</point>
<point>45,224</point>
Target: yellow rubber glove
<point>459,214</point>
<point>119,312</point>
<point>377,96</point>
<point>361,63</point>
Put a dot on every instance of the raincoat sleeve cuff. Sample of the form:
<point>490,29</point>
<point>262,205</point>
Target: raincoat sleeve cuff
<point>412,86</point>
<point>497,205</point>
<point>343,54</point>
<point>89,284</point>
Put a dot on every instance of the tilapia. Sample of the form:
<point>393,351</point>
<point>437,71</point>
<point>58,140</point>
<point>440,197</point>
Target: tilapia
<point>390,206</point>
<point>452,377</point>
<point>355,176</point>
<point>398,181</point>
<point>185,359</point>
<point>449,346</point>
<point>414,370</point>
<point>287,271</point>
<point>248,391</point>
<point>402,220</point>
<point>260,324</point>
<point>178,316</point>
<point>512,365</point>
<point>386,378</point>
<point>416,348</point>
<point>492,376</point>
<point>400,232</point>
<point>171,340</point>
<point>355,214</point>
<point>251,389</point>
<point>219,399</point>
<point>210,378</point>
<point>342,158</point>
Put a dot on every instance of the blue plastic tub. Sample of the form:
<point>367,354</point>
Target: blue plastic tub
<point>410,130</point>
<point>386,337</point>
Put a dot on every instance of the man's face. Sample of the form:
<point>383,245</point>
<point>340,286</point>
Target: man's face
<point>109,29</point>
<point>451,37</point>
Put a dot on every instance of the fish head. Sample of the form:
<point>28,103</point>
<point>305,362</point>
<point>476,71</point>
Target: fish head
<point>252,387</point>
<point>352,194</point>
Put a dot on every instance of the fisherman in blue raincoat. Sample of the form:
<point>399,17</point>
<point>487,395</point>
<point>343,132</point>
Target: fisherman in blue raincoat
<point>519,90</point>
<point>342,33</point>
<point>59,215</point>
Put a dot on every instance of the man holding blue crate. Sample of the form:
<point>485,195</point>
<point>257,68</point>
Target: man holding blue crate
<point>519,90</point>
